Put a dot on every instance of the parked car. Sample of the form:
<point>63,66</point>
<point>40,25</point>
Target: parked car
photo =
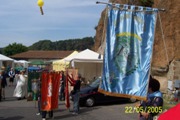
<point>89,96</point>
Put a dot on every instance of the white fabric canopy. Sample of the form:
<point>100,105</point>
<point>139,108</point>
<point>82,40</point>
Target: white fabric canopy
<point>70,57</point>
<point>87,56</point>
<point>22,62</point>
<point>62,64</point>
<point>88,63</point>
<point>7,60</point>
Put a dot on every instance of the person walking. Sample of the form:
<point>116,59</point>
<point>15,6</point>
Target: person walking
<point>62,88</point>
<point>76,95</point>
<point>39,97</point>
<point>50,114</point>
<point>11,75</point>
<point>3,82</point>
<point>0,85</point>
<point>20,90</point>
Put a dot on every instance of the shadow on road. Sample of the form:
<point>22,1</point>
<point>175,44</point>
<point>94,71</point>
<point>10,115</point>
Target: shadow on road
<point>83,111</point>
<point>12,118</point>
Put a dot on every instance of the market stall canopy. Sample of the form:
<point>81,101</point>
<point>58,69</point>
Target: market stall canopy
<point>31,68</point>
<point>5,61</point>
<point>87,56</point>
<point>38,62</point>
<point>23,63</point>
<point>5,58</point>
<point>61,64</point>
<point>71,56</point>
<point>88,63</point>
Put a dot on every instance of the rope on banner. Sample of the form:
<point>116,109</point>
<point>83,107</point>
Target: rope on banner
<point>114,5</point>
<point>105,20</point>
<point>163,38</point>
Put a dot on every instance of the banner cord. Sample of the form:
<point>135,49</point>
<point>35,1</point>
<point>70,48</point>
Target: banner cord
<point>105,20</point>
<point>163,38</point>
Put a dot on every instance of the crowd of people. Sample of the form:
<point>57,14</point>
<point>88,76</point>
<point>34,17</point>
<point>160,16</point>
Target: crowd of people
<point>154,98</point>
<point>20,81</point>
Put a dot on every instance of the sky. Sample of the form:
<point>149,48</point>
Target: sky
<point>21,20</point>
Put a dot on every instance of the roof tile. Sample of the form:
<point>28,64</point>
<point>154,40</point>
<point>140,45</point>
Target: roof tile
<point>34,54</point>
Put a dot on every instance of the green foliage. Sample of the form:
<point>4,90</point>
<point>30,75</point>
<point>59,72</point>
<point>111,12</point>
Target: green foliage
<point>1,50</point>
<point>147,3</point>
<point>42,45</point>
<point>70,44</point>
<point>14,48</point>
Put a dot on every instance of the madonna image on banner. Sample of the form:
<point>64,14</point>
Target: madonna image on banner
<point>128,52</point>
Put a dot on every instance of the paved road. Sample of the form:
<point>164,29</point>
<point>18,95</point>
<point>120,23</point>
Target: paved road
<point>12,109</point>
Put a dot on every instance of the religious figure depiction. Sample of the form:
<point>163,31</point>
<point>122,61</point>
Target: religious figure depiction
<point>126,54</point>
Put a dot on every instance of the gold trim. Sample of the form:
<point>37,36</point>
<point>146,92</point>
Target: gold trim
<point>122,95</point>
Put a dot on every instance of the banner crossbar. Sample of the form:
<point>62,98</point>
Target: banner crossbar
<point>114,5</point>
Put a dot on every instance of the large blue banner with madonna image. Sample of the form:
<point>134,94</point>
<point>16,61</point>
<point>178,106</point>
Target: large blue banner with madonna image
<point>128,52</point>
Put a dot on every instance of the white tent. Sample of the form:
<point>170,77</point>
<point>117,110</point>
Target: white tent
<point>62,64</point>
<point>24,63</point>
<point>88,63</point>
<point>5,61</point>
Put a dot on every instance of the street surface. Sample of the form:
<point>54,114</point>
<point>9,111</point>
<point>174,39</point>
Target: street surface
<point>13,109</point>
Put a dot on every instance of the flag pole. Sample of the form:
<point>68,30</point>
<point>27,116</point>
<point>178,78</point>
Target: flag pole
<point>159,9</point>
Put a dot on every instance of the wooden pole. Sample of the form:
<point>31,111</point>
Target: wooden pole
<point>42,13</point>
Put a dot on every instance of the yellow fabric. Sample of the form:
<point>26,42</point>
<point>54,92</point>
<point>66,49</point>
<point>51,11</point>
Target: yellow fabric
<point>61,64</point>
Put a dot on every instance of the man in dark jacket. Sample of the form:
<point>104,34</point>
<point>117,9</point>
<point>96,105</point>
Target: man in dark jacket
<point>76,90</point>
<point>62,89</point>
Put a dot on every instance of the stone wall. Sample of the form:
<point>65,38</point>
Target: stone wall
<point>171,29</point>
<point>165,50</point>
<point>174,73</point>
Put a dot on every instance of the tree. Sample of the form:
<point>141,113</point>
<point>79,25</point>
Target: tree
<point>14,48</point>
<point>69,44</point>
<point>42,45</point>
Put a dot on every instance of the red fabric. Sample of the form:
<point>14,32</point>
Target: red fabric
<point>67,101</point>
<point>71,80</point>
<point>49,91</point>
<point>55,90</point>
<point>72,83</point>
<point>172,114</point>
<point>45,99</point>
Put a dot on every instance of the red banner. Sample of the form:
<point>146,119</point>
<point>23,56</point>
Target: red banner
<point>71,75</point>
<point>50,91</point>
<point>67,102</point>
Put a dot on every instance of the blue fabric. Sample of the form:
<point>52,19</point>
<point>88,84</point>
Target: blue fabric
<point>155,94</point>
<point>76,102</point>
<point>128,52</point>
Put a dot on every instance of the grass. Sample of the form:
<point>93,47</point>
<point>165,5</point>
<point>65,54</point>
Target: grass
<point>168,102</point>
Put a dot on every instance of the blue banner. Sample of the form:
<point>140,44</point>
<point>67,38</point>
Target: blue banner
<point>128,52</point>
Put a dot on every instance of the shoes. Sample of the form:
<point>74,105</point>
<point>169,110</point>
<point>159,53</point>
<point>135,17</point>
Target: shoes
<point>44,119</point>
<point>19,99</point>
<point>38,113</point>
<point>71,111</point>
<point>75,113</point>
<point>51,117</point>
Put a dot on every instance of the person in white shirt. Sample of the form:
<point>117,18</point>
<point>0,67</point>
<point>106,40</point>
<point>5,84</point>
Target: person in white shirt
<point>11,75</point>
<point>21,87</point>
